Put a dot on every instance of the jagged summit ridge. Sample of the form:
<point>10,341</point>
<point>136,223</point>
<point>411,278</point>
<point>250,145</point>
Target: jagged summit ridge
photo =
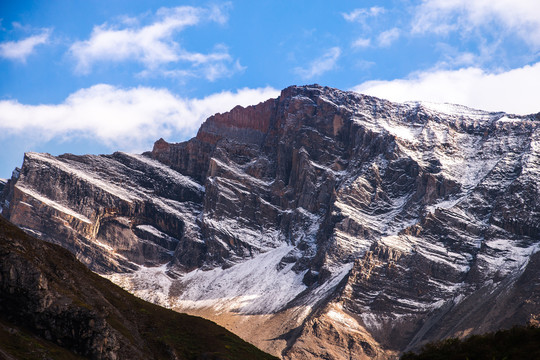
<point>337,222</point>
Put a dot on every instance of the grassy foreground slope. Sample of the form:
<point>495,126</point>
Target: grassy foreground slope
<point>52,306</point>
<point>519,343</point>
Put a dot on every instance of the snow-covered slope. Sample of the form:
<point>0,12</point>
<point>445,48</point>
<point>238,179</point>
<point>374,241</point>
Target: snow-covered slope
<point>321,223</point>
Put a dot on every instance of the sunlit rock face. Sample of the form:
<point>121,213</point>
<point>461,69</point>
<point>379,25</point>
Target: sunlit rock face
<point>322,223</point>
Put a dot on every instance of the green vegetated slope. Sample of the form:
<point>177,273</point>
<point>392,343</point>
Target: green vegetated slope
<point>518,343</point>
<point>19,343</point>
<point>52,306</point>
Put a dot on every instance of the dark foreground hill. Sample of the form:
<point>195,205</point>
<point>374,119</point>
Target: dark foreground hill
<point>517,343</point>
<point>52,306</point>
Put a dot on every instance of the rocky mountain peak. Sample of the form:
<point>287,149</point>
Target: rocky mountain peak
<point>248,124</point>
<point>333,220</point>
<point>161,146</point>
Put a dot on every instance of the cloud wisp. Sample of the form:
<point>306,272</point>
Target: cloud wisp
<point>359,15</point>
<point>321,65</point>
<point>386,38</point>
<point>514,91</point>
<point>155,46</point>
<point>516,17</point>
<point>20,50</point>
<point>122,119</point>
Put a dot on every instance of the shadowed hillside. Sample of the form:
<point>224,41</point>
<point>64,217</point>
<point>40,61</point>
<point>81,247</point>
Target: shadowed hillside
<point>52,306</point>
<point>516,343</point>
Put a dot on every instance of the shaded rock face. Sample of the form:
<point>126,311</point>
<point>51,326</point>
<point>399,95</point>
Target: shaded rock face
<point>3,183</point>
<point>113,212</point>
<point>372,227</point>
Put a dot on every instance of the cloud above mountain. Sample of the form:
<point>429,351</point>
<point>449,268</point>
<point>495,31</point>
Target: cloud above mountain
<point>156,44</point>
<point>129,119</point>
<point>513,91</point>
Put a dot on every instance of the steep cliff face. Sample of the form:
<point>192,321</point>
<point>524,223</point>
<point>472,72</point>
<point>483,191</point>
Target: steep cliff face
<point>114,212</point>
<point>336,224</point>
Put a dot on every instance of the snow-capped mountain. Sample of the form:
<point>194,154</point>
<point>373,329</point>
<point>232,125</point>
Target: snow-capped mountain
<point>322,223</point>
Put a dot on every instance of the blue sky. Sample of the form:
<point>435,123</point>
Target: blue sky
<point>94,76</point>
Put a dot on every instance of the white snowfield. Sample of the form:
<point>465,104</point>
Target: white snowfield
<point>256,286</point>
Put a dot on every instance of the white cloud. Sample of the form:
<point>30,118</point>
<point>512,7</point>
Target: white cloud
<point>514,91</point>
<point>20,50</point>
<point>386,38</point>
<point>209,66</point>
<point>218,70</point>
<point>361,43</point>
<point>153,45</point>
<point>359,15</point>
<point>321,65</point>
<point>127,119</point>
<point>442,16</point>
